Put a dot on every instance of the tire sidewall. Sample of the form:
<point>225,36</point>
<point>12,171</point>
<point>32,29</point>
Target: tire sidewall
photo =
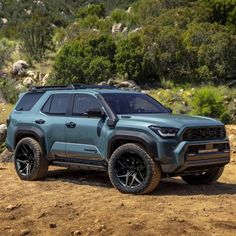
<point>37,155</point>
<point>131,148</point>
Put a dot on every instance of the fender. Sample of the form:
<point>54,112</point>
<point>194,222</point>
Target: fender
<point>133,136</point>
<point>31,131</point>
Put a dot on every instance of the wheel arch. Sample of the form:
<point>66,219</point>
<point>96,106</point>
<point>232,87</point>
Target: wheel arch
<point>123,137</point>
<point>37,134</point>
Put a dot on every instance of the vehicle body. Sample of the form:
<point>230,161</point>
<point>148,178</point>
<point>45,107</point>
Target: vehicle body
<point>87,126</point>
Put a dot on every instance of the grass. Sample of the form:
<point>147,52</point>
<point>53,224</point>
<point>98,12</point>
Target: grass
<point>5,110</point>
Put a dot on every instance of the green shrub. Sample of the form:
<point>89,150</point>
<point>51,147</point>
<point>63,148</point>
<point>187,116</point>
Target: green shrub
<point>208,101</point>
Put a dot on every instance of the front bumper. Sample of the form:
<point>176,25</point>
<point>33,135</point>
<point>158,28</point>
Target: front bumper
<point>210,155</point>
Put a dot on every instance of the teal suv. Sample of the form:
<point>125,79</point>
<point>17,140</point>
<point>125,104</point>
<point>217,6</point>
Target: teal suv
<point>129,134</point>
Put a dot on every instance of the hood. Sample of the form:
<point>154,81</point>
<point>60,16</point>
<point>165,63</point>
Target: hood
<point>172,120</point>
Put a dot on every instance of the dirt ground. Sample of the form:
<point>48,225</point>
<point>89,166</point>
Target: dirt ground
<point>85,203</point>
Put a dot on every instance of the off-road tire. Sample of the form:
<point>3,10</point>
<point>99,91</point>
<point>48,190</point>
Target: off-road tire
<point>153,170</point>
<point>40,167</point>
<point>211,176</point>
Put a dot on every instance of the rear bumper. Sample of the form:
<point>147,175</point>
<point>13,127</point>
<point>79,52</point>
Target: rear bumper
<point>182,161</point>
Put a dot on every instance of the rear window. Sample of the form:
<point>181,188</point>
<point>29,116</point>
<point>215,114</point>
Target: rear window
<point>57,104</point>
<point>28,101</point>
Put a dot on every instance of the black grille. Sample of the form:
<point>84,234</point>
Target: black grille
<point>194,149</point>
<point>206,133</point>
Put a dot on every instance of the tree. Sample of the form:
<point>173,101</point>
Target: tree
<point>85,61</point>
<point>130,58</point>
<point>36,35</point>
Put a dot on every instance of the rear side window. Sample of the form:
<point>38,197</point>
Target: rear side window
<point>57,104</point>
<point>28,101</point>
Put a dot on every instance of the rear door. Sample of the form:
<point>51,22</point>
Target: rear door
<point>85,136</point>
<point>51,120</point>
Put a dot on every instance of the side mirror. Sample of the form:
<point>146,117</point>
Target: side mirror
<point>95,112</point>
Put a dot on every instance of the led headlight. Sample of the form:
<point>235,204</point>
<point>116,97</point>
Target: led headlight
<point>164,132</point>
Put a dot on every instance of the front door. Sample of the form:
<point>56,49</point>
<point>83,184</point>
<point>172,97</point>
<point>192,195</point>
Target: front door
<point>85,136</point>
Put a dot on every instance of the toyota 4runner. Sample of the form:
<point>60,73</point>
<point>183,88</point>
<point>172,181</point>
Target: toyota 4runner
<point>129,134</point>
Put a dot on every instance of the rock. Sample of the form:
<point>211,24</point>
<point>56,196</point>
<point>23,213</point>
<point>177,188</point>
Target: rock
<point>77,232</point>
<point>111,82</point>
<point>232,83</point>
<point>4,20</point>
<point>31,73</point>
<point>6,156</point>
<point>19,67</point>
<point>52,226</point>
<point>12,207</point>
<point>3,131</point>
<point>137,29</point>
<point>102,83</point>
<point>43,81</point>
<point>42,215</point>
<point>25,232</point>
<point>129,10</point>
<point>28,81</point>
<point>116,28</point>
<point>125,30</point>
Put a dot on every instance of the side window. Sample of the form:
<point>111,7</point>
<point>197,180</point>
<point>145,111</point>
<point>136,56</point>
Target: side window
<point>83,103</point>
<point>28,101</point>
<point>57,104</point>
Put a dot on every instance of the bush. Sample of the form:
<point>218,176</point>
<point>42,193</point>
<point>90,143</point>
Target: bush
<point>82,61</point>
<point>6,48</point>
<point>208,101</point>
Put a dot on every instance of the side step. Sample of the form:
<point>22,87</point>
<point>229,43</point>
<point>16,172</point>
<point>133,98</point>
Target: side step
<point>80,165</point>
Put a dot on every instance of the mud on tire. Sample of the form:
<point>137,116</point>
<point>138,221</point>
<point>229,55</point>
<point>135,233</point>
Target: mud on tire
<point>132,170</point>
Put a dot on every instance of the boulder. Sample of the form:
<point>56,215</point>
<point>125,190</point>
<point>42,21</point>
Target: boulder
<point>19,67</point>
<point>111,82</point>
<point>28,81</point>
<point>31,73</point>
<point>43,81</point>
<point>103,83</point>
<point>6,156</point>
<point>129,10</point>
<point>116,28</point>
<point>3,132</point>
<point>4,20</point>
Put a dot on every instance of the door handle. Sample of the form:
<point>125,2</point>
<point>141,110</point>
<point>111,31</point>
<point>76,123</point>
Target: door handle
<point>40,121</point>
<point>70,125</point>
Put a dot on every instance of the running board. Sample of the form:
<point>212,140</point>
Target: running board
<point>84,166</point>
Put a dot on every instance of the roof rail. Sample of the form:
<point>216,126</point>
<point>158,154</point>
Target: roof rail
<point>69,87</point>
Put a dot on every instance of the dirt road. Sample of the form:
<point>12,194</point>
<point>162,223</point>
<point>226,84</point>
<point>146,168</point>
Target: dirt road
<point>85,203</point>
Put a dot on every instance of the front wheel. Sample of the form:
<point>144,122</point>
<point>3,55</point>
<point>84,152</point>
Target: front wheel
<point>205,177</point>
<point>132,170</point>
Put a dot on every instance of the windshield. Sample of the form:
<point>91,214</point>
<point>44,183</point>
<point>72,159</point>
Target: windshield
<point>133,103</point>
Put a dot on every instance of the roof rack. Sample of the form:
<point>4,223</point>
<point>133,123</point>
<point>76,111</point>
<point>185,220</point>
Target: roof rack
<point>69,87</point>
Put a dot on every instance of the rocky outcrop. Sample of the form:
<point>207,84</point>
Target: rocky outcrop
<point>116,28</point>
<point>3,131</point>
<point>126,85</point>
<point>19,67</point>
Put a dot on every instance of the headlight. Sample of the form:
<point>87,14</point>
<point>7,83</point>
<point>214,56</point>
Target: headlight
<point>165,132</point>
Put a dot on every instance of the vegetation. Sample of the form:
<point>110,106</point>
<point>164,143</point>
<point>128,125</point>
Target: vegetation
<point>164,43</point>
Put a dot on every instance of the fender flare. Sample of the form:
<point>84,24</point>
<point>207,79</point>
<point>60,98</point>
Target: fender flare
<point>31,131</point>
<point>133,136</point>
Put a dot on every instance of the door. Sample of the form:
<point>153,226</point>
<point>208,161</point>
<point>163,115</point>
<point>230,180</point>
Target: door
<point>85,136</point>
<point>52,121</point>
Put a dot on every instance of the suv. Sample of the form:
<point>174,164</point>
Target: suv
<point>129,134</point>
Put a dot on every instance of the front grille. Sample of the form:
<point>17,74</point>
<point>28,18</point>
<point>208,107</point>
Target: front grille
<point>204,133</point>
<point>220,147</point>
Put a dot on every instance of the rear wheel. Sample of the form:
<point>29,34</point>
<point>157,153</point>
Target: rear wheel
<point>30,163</point>
<point>132,170</point>
<point>205,177</point>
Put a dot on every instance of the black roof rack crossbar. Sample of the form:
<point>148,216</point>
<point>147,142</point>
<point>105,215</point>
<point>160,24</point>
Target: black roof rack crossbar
<point>69,87</point>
